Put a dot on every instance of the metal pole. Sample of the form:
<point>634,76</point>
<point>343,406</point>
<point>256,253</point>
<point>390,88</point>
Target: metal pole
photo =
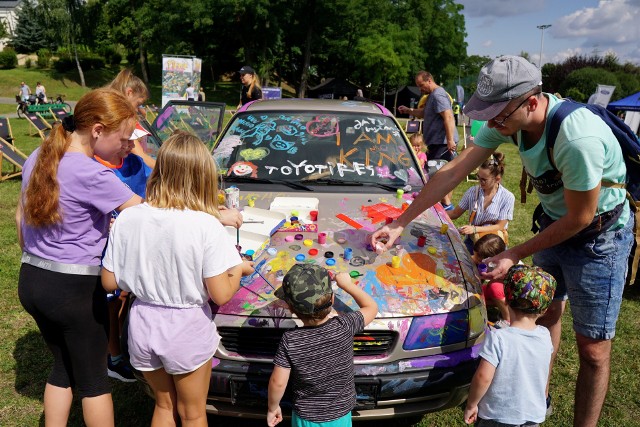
<point>542,27</point>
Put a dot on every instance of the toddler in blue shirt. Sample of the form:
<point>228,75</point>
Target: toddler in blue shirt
<point>508,388</point>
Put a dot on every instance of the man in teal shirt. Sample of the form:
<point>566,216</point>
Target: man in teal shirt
<point>590,266</point>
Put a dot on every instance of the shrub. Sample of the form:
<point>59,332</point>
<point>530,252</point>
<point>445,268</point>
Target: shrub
<point>8,58</point>
<point>44,58</point>
<point>27,63</point>
<point>111,55</point>
<point>88,61</point>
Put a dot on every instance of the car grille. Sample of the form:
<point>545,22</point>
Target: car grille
<point>263,342</point>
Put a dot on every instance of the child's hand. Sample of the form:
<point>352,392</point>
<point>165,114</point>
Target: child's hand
<point>247,268</point>
<point>274,417</point>
<point>343,280</point>
<point>470,414</point>
<point>231,217</point>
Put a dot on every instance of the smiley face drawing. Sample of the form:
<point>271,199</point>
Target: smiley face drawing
<point>243,169</point>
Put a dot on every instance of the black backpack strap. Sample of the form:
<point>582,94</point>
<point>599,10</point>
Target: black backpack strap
<point>557,114</point>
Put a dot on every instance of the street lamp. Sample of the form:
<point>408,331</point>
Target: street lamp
<point>542,27</point>
<point>459,72</point>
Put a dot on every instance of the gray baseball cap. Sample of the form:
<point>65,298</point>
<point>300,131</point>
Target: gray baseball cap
<point>500,81</point>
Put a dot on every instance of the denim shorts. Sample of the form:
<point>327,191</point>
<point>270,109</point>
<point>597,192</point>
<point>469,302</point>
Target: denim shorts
<point>592,276</point>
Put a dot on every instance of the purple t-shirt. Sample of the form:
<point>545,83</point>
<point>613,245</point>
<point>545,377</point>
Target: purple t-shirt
<point>89,192</point>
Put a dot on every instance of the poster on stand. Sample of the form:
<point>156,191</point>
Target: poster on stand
<point>177,72</point>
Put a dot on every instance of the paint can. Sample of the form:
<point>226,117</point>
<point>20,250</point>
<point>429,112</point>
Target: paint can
<point>322,238</point>
<point>422,240</point>
<point>348,254</point>
<point>232,198</point>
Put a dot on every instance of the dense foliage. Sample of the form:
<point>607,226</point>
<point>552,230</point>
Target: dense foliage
<point>373,43</point>
<point>376,44</point>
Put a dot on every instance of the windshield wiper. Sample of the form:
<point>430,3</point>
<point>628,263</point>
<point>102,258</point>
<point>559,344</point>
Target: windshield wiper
<point>248,180</point>
<point>335,181</point>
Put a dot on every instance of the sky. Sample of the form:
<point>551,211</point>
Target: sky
<point>578,27</point>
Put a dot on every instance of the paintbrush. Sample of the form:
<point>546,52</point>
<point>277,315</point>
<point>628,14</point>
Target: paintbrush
<point>253,221</point>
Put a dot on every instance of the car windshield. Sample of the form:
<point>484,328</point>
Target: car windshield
<point>320,148</point>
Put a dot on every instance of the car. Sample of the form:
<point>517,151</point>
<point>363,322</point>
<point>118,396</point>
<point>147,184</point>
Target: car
<point>314,179</point>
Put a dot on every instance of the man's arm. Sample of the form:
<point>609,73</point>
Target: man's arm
<point>447,178</point>
<point>581,209</point>
<point>449,128</point>
<point>415,112</point>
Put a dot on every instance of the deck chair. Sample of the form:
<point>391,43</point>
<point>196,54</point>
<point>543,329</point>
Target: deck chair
<point>14,157</point>
<point>58,114</point>
<point>151,113</point>
<point>41,126</point>
<point>5,130</point>
<point>413,126</point>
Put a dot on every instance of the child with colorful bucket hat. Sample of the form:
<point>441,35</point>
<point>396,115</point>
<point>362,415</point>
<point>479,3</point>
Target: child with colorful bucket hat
<point>508,388</point>
<point>319,356</point>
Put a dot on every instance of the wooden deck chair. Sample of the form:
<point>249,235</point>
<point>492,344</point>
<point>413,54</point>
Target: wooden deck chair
<point>58,114</point>
<point>5,130</point>
<point>41,126</point>
<point>151,114</point>
<point>14,157</point>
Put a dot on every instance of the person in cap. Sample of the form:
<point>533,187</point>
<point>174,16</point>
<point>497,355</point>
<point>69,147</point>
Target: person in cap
<point>588,236</point>
<point>318,357</point>
<point>509,385</point>
<point>251,89</point>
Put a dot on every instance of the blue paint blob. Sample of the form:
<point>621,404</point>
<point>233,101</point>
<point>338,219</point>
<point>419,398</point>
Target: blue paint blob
<point>331,261</point>
<point>300,257</point>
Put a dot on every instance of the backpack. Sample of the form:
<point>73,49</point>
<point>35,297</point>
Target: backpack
<point>630,151</point>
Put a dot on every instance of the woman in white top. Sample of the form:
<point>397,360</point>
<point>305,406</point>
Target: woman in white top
<point>173,254</point>
<point>490,205</point>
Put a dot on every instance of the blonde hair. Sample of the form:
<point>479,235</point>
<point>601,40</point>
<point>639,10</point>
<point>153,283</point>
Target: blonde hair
<point>41,199</point>
<point>255,81</point>
<point>127,80</point>
<point>185,176</point>
<point>417,138</point>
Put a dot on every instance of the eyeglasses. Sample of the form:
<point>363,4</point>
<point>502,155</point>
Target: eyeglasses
<point>500,123</point>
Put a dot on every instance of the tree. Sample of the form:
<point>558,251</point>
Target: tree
<point>63,18</point>
<point>3,30</point>
<point>29,35</point>
<point>586,80</point>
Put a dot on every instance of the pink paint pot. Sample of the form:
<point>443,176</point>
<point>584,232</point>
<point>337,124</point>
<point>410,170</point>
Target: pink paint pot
<point>322,238</point>
<point>289,238</point>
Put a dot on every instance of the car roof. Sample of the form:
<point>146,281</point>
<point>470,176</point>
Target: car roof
<point>308,104</point>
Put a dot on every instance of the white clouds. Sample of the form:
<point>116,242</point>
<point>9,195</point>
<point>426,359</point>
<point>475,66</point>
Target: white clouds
<point>610,24</point>
<point>487,43</point>
<point>501,8</point>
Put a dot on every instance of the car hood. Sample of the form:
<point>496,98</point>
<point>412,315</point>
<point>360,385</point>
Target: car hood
<point>435,278</point>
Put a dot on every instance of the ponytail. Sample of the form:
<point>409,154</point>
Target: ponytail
<point>42,196</point>
<point>43,192</point>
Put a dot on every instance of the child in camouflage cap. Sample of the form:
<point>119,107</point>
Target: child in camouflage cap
<point>508,388</point>
<point>318,356</point>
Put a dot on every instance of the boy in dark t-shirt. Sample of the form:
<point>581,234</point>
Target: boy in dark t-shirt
<point>318,356</point>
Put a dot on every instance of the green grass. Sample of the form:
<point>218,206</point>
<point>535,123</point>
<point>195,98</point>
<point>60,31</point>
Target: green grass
<point>25,361</point>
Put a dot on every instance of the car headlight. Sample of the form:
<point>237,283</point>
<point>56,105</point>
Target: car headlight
<point>477,320</point>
